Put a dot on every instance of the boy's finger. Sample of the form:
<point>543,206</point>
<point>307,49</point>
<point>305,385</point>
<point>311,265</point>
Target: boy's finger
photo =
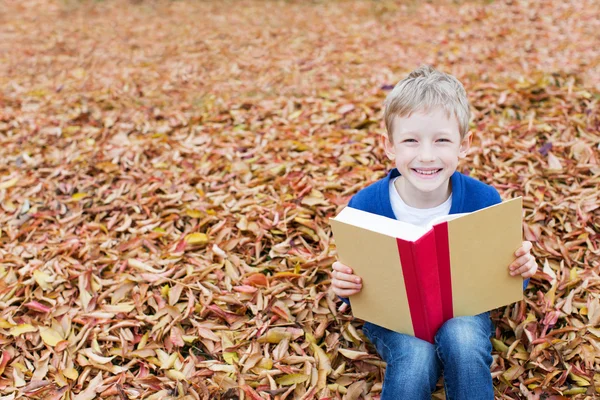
<point>519,262</point>
<point>523,268</point>
<point>346,277</point>
<point>348,285</point>
<point>519,268</point>
<point>524,249</point>
<point>531,270</point>
<point>338,266</point>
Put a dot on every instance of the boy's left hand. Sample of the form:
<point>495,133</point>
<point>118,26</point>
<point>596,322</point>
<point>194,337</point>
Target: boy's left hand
<point>525,263</point>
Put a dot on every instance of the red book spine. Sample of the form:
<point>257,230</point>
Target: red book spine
<point>422,281</point>
<point>443,256</point>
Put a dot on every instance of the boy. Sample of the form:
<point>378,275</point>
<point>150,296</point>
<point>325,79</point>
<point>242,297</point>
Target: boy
<point>426,118</point>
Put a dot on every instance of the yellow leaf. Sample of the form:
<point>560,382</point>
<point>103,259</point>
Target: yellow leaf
<point>579,380</point>
<point>323,361</point>
<point>196,238</point>
<point>169,362</point>
<point>60,380</point>
<point>143,341</point>
<point>513,372</point>
<point>9,183</point>
<point>70,373</point>
<point>292,379</point>
<point>265,363</point>
<point>194,213</point>
<point>353,355</point>
<point>78,196</point>
<point>22,328</point>
<point>20,367</point>
<point>575,390</point>
<point>499,345</point>
<point>335,387</point>
<point>176,375</point>
<point>50,336</point>
<point>230,357</point>
<point>189,338</point>
<point>164,291</point>
<point>4,324</point>
<point>274,336</point>
<point>43,279</point>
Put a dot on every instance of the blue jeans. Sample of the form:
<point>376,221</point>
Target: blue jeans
<point>462,352</point>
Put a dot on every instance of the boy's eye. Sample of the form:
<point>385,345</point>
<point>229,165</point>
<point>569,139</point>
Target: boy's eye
<point>409,141</point>
<point>443,140</point>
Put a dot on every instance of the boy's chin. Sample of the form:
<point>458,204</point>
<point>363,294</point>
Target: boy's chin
<point>430,185</point>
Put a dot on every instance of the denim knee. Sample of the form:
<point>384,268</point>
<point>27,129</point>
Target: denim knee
<point>464,348</point>
<point>466,338</point>
<point>413,368</point>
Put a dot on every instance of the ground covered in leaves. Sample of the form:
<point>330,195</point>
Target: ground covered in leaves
<point>169,168</point>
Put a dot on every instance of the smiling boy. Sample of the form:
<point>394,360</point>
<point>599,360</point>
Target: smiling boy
<point>426,117</point>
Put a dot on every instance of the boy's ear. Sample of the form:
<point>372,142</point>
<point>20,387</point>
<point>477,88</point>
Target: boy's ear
<point>465,144</point>
<point>388,146</point>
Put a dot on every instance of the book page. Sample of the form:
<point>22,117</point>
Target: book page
<point>444,218</point>
<point>379,224</point>
<point>482,246</point>
<point>374,257</point>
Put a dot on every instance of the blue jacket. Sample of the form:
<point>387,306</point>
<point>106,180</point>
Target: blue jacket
<point>468,195</point>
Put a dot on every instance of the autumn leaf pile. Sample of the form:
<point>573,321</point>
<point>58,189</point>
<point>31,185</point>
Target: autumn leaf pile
<point>169,168</point>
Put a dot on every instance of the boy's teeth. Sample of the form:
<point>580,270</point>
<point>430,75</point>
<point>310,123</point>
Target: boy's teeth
<point>431,172</point>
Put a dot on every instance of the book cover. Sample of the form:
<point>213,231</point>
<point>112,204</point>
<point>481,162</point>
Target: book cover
<point>415,278</point>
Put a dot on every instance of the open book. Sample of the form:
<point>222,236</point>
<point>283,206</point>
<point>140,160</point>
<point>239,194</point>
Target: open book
<point>415,278</point>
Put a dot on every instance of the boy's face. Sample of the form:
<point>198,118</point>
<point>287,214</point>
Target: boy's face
<point>426,148</point>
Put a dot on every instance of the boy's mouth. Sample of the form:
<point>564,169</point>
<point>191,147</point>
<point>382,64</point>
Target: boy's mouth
<point>427,172</point>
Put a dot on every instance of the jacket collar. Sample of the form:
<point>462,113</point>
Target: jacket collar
<point>386,204</point>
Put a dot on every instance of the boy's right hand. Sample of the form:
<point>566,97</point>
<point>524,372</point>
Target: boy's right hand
<point>344,282</point>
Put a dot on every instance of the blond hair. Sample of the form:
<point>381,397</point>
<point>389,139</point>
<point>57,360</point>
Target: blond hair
<point>425,89</point>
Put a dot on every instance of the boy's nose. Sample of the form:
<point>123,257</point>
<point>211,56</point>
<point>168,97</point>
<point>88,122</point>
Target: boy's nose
<point>426,155</point>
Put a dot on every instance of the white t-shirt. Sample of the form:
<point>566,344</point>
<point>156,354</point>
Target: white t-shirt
<point>416,216</point>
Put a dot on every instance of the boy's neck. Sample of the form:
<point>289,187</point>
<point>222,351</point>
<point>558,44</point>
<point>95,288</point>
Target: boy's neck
<point>417,199</point>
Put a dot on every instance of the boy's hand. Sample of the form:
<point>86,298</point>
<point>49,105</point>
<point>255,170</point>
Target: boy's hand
<point>344,283</point>
<point>525,263</point>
